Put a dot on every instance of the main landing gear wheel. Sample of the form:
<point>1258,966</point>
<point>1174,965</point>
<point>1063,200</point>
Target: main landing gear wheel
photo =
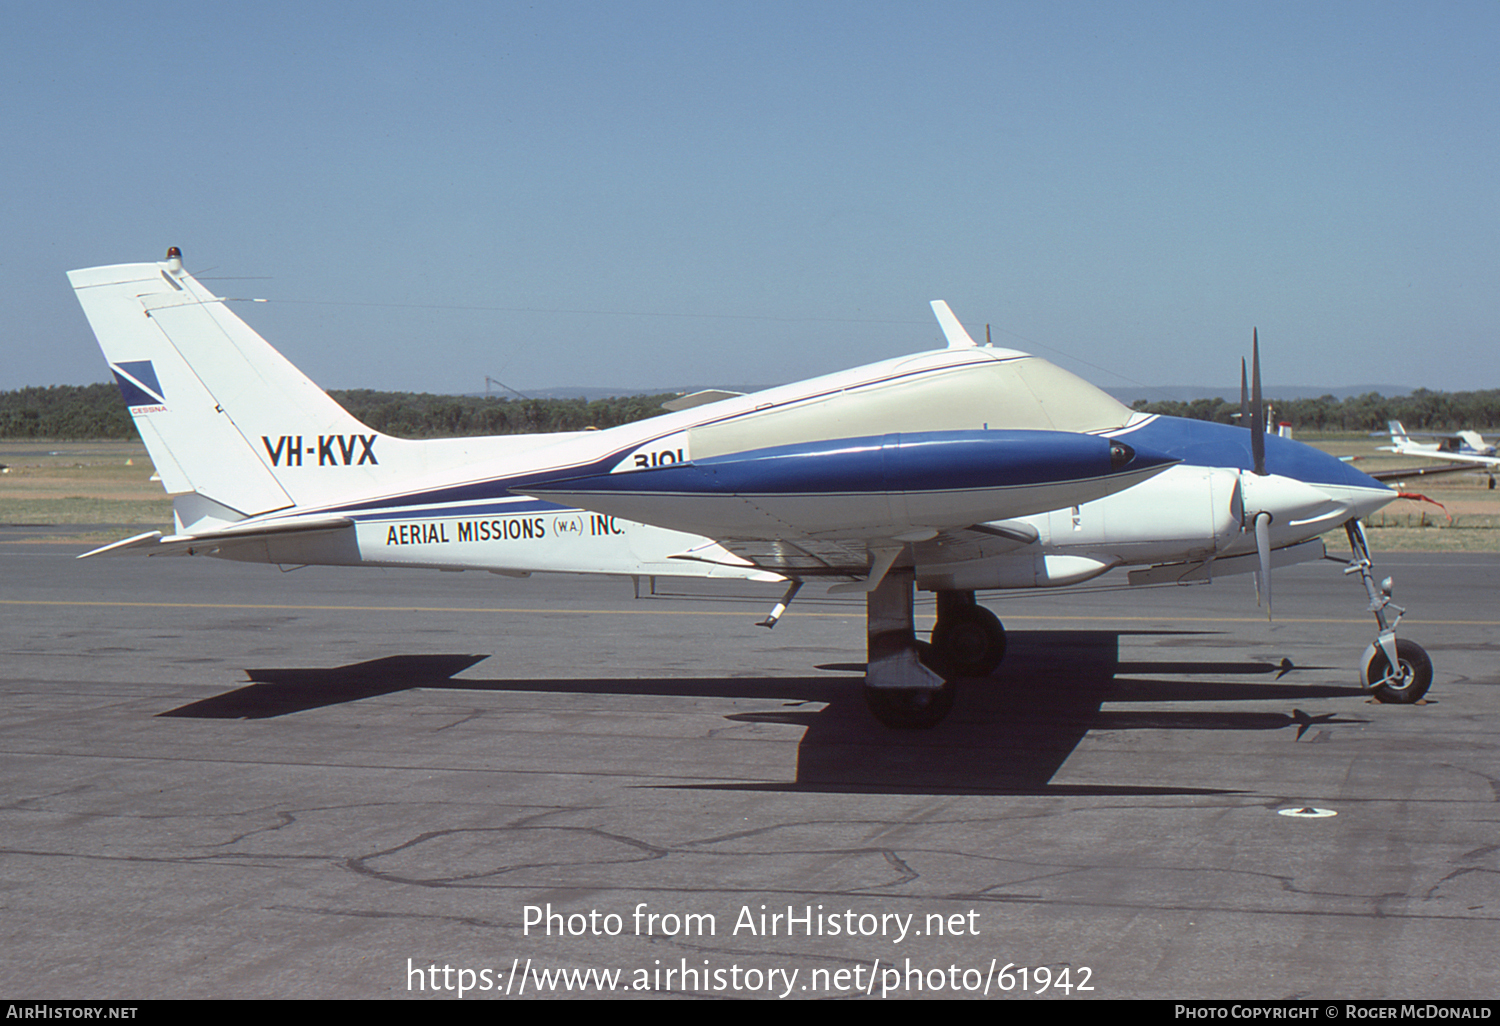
<point>968,641</point>
<point>1411,680</point>
<point>910,708</point>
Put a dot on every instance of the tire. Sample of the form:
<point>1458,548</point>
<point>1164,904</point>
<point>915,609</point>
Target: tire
<point>968,642</point>
<point>910,708</point>
<point>1414,680</point>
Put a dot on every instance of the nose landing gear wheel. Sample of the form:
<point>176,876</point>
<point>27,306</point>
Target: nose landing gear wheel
<point>1411,680</point>
<point>1412,676</point>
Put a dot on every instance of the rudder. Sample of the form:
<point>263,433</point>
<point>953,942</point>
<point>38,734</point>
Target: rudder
<point>222,413</point>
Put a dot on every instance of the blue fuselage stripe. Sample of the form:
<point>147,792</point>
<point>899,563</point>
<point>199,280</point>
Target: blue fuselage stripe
<point>933,461</point>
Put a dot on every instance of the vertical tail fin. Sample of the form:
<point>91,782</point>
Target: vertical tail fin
<point>226,418</point>
<point>182,360</point>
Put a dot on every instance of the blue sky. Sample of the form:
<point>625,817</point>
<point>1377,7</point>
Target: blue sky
<point>641,194</point>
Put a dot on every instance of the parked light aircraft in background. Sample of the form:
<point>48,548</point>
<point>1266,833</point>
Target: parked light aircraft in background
<point>1466,447</point>
<point>955,470</point>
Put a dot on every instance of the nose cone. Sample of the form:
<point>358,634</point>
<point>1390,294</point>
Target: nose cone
<point>1294,459</point>
<point>1363,501</point>
<point>1306,490</point>
<point>1356,493</point>
<point>1328,494</point>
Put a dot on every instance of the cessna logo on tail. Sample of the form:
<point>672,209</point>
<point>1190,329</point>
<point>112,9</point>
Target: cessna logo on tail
<point>331,450</point>
<point>138,384</point>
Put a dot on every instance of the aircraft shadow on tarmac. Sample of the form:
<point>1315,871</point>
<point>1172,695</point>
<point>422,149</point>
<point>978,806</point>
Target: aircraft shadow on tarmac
<point>1008,734</point>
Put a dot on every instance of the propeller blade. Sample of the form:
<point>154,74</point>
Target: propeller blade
<point>1258,415</point>
<point>1244,396</point>
<point>1263,549</point>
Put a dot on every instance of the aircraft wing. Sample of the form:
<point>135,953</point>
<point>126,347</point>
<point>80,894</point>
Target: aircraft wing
<point>811,557</point>
<point>1454,464</point>
<point>803,557</point>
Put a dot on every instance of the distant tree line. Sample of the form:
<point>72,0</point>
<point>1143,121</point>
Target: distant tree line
<point>97,412</point>
<point>1421,410</point>
<point>421,415</point>
<point>65,411</point>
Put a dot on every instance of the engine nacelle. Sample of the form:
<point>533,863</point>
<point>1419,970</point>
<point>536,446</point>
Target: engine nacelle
<point>1029,568</point>
<point>1185,512</point>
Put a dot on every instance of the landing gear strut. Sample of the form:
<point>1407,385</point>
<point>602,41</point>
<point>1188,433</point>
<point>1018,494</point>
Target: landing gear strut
<point>1395,671</point>
<point>908,685</point>
<point>900,691</point>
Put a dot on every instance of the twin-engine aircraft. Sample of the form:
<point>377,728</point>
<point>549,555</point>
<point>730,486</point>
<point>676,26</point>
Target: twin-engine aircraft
<point>955,470</point>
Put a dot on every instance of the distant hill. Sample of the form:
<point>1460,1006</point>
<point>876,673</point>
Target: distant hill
<point>1129,394</point>
<point>591,393</point>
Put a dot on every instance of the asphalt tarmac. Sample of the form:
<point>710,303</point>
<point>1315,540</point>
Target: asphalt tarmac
<point>224,780</point>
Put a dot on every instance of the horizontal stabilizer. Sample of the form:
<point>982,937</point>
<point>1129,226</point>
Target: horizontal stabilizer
<point>154,543</point>
<point>135,545</point>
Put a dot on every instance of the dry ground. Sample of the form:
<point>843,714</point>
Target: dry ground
<point>1462,516</point>
<point>108,486</point>
<point>69,483</point>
